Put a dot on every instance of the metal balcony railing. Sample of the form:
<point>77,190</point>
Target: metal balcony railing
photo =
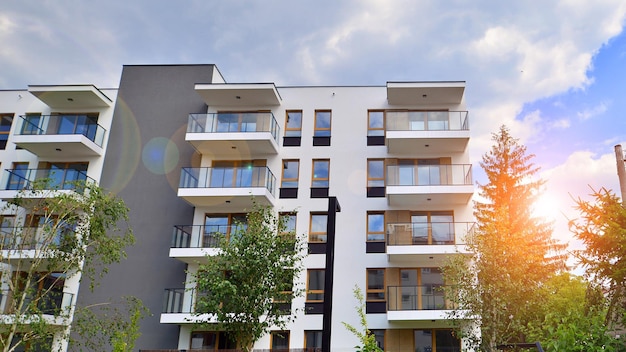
<point>232,122</point>
<point>427,233</point>
<point>202,236</point>
<point>429,175</point>
<point>427,121</point>
<point>36,237</point>
<point>56,179</point>
<point>422,297</point>
<point>228,177</point>
<point>53,303</point>
<point>62,124</point>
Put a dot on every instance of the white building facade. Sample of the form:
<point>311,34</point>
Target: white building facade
<point>185,150</point>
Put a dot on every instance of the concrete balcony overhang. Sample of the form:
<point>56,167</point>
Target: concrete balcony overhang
<point>192,255</point>
<point>67,145</point>
<point>239,94</point>
<point>186,318</point>
<point>411,142</point>
<point>418,315</point>
<point>435,195</point>
<point>227,199</point>
<point>425,93</point>
<point>426,255</point>
<point>70,96</point>
<point>11,194</point>
<point>237,144</point>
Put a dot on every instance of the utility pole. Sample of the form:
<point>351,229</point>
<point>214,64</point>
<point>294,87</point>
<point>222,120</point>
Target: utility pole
<point>621,171</point>
<point>333,209</point>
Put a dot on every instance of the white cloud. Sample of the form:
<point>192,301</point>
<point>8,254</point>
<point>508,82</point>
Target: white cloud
<point>594,111</point>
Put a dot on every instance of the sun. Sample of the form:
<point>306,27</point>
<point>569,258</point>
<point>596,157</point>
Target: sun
<point>547,207</point>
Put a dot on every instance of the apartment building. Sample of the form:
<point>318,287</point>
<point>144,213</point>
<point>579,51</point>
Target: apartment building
<point>186,150</point>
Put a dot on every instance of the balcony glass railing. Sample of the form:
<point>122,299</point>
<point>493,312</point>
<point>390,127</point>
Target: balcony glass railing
<point>40,237</point>
<point>174,301</point>
<point>429,175</point>
<point>228,177</point>
<point>427,233</point>
<point>422,297</point>
<point>55,179</point>
<point>202,236</point>
<point>53,302</point>
<point>427,121</point>
<point>231,122</point>
<point>62,124</point>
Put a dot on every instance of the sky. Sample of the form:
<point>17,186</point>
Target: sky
<point>553,72</point>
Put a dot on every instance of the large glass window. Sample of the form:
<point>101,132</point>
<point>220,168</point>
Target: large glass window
<point>322,123</point>
<point>317,231</point>
<point>375,285</point>
<point>376,226</point>
<point>379,335</point>
<point>290,174</point>
<point>376,123</point>
<point>280,340</point>
<point>375,173</point>
<point>293,123</point>
<point>18,176</point>
<point>315,285</point>
<point>320,177</point>
<point>226,174</point>
<point>211,341</point>
<point>218,225</point>
<point>313,339</point>
<point>436,340</point>
<point>435,227</point>
<point>6,120</point>
<point>421,289</point>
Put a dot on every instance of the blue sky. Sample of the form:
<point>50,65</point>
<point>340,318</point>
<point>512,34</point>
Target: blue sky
<point>554,74</point>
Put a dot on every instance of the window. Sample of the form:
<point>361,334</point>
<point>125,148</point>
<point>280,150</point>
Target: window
<point>32,124</point>
<point>64,175</point>
<point>376,123</point>
<point>436,227</point>
<point>315,285</point>
<point>317,231</point>
<point>375,285</point>
<point>379,335</point>
<point>289,220</point>
<point>290,174</point>
<point>375,173</point>
<point>436,340</point>
<point>320,173</point>
<point>322,123</point>
<point>280,340</point>
<point>226,174</point>
<point>85,124</point>
<point>293,123</point>
<point>376,226</point>
<point>219,225</point>
<point>18,176</point>
<point>313,339</point>
<point>211,341</point>
<point>420,289</point>
<point>5,127</point>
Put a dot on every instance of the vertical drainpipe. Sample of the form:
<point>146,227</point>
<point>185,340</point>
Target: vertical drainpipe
<point>621,171</point>
<point>333,209</point>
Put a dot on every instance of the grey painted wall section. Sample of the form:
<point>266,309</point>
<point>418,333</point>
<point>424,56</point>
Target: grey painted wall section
<point>145,153</point>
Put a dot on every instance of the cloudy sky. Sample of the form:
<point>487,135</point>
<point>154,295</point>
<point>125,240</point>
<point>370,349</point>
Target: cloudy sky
<point>553,71</point>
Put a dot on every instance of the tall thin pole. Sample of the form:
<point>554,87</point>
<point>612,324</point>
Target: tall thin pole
<point>333,209</point>
<point>621,171</point>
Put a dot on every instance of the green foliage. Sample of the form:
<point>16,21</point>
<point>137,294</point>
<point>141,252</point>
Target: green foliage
<point>68,232</point>
<point>602,229</point>
<point>512,251</point>
<point>368,340</point>
<point>108,324</point>
<point>254,269</point>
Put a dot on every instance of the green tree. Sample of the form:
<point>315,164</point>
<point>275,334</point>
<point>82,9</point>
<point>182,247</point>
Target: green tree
<point>51,237</point>
<point>243,285</point>
<point>368,340</point>
<point>512,252</point>
<point>602,229</point>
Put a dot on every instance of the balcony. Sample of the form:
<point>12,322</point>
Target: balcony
<point>242,134</point>
<point>426,244</point>
<point>426,131</point>
<point>28,243</point>
<point>228,188</point>
<point>415,303</point>
<point>420,185</point>
<point>191,242</point>
<point>64,135</point>
<point>178,307</point>
<point>54,306</point>
<point>57,180</point>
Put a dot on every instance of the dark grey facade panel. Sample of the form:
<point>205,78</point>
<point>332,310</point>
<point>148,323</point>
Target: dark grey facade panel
<point>145,153</point>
